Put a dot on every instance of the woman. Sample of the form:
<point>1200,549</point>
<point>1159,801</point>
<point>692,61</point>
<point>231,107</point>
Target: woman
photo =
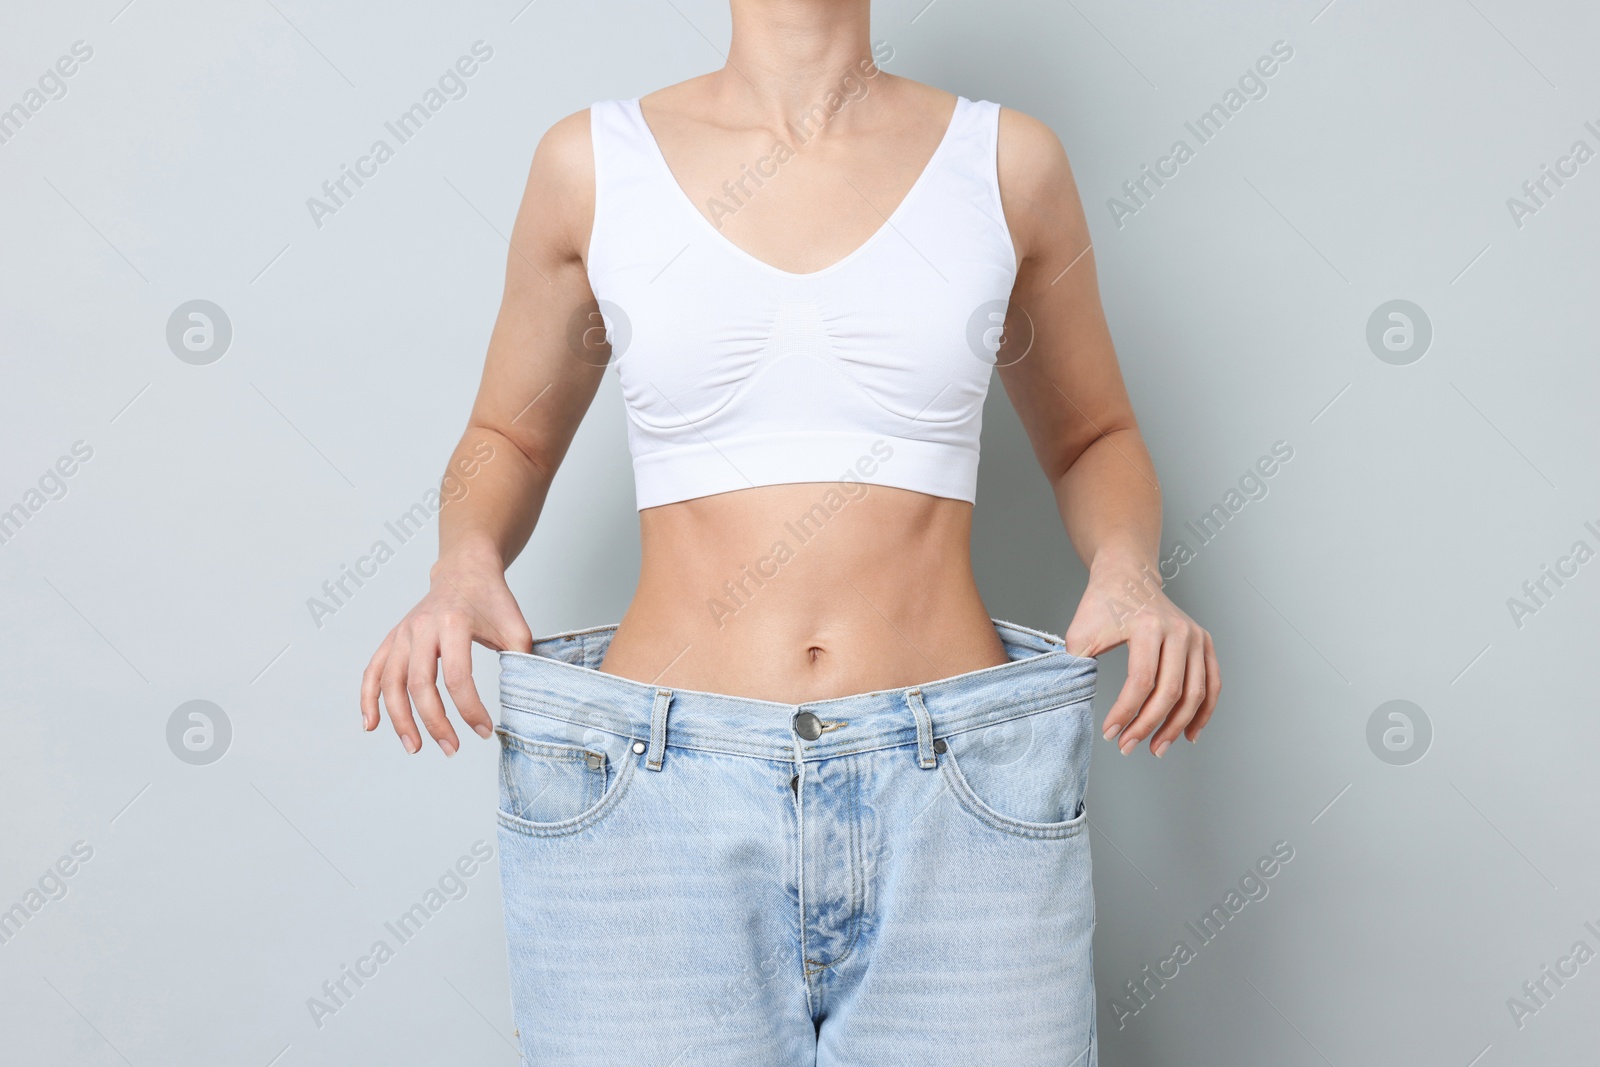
<point>807,802</point>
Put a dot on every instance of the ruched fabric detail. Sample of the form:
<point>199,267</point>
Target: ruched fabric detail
<point>736,373</point>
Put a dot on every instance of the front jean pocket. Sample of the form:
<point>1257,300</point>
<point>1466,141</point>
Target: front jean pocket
<point>1027,775</point>
<point>549,788</point>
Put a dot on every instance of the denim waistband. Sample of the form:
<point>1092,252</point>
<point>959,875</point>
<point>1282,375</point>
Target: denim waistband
<point>560,679</point>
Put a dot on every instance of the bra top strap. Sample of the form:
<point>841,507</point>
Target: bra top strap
<point>625,179</point>
<point>974,143</point>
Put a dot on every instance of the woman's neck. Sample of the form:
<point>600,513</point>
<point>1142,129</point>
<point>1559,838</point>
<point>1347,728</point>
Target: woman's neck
<point>788,55</point>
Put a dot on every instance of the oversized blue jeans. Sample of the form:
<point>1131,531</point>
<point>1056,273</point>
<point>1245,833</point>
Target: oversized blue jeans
<point>895,877</point>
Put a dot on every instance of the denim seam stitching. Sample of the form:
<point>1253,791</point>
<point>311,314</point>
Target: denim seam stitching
<point>975,806</point>
<point>964,727</point>
<point>857,901</point>
<point>577,823</point>
<point>557,752</point>
<point>806,971</point>
<point>949,725</point>
<point>551,750</point>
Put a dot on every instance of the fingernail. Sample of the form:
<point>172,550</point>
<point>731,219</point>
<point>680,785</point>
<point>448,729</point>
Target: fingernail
<point>1110,730</point>
<point>483,731</point>
<point>448,746</point>
<point>1128,745</point>
<point>410,743</point>
<point>1162,747</point>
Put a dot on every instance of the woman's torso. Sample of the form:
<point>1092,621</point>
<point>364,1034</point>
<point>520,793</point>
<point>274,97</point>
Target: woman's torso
<point>806,590</point>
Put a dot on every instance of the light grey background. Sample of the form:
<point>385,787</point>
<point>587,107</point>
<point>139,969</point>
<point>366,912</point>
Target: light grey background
<point>219,498</point>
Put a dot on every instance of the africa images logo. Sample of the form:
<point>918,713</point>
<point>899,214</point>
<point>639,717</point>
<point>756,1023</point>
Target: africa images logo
<point>1252,85</point>
<point>451,85</point>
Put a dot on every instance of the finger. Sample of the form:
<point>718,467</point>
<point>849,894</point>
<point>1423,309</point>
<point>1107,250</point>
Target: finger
<point>455,660</point>
<point>500,616</point>
<point>1194,691</point>
<point>371,678</point>
<point>1213,691</point>
<point>1082,640</point>
<point>422,683</point>
<point>1168,689</point>
<point>394,694</point>
<point>512,626</point>
<point>1144,649</point>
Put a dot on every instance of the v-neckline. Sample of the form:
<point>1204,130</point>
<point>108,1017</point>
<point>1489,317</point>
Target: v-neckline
<point>682,197</point>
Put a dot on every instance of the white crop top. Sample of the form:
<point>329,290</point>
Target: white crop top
<point>737,374</point>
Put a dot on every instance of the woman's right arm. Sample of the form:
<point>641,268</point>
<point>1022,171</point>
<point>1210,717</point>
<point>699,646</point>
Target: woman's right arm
<point>539,377</point>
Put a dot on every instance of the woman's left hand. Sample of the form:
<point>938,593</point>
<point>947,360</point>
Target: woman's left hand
<point>1173,677</point>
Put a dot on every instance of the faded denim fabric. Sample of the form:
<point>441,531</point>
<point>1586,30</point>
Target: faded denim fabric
<point>895,877</point>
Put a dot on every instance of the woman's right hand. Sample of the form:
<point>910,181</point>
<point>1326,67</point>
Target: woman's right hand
<point>469,601</point>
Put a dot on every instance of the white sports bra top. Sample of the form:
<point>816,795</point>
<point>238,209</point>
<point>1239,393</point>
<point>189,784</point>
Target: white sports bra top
<point>736,373</point>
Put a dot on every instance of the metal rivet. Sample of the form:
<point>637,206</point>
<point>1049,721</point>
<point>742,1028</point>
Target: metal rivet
<point>594,760</point>
<point>638,748</point>
<point>808,725</point>
<point>939,745</point>
<point>794,784</point>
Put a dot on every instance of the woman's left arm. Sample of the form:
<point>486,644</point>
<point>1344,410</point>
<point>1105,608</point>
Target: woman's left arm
<point>1060,370</point>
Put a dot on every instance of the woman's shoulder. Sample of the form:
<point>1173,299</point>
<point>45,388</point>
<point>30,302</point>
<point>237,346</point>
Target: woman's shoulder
<point>1031,158</point>
<point>558,198</point>
<point>1028,139</point>
<point>1037,189</point>
<point>565,152</point>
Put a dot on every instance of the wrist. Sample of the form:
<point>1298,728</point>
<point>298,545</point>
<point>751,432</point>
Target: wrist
<point>472,551</point>
<point>1122,561</point>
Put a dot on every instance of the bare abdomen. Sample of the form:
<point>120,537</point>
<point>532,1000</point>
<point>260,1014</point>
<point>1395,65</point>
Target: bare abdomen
<point>801,592</point>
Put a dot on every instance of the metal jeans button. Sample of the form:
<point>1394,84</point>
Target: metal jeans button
<point>808,725</point>
<point>939,745</point>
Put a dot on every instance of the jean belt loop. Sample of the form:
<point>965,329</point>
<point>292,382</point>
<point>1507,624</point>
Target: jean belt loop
<point>658,729</point>
<point>925,757</point>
